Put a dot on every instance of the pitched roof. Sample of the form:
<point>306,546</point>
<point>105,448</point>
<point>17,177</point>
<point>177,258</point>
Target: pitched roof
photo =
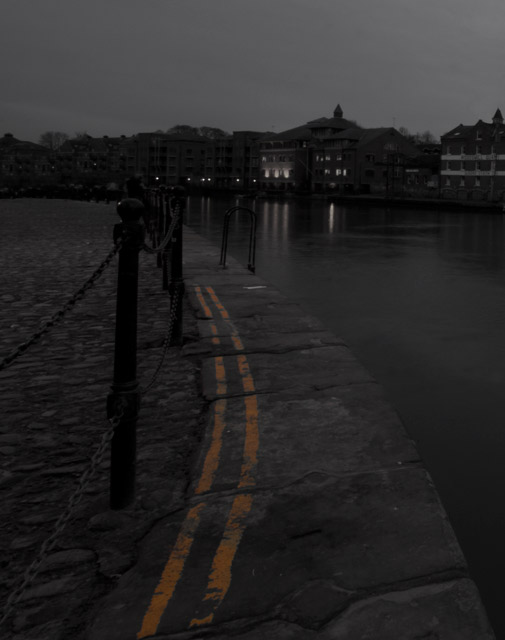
<point>498,115</point>
<point>330,123</point>
<point>297,133</point>
<point>460,131</point>
<point>8,140</point>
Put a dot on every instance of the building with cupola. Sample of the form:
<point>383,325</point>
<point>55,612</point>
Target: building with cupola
<point>473,161</point>
<point>335,155</point>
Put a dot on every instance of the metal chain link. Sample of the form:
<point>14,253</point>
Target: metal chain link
<point>161,247</point>
<point>175,303</point>
<point>55,318</point>
<point>33,569</point>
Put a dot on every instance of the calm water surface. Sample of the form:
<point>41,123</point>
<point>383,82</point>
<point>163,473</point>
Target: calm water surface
<point>419,296</point>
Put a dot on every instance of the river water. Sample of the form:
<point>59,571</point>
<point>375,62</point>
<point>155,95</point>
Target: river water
<point>419,296</point>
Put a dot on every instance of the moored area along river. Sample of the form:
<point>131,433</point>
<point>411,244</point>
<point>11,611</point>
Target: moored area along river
<point>419,296</point>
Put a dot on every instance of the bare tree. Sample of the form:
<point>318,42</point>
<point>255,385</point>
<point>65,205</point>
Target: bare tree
<point>426,137</point>
<point>53,139</point>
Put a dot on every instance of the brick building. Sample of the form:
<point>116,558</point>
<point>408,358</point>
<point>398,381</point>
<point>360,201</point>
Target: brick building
<point>25,164</point>
<point>92,161</point>
<point>233,162</point>
<point>167,159</point>
<point>334,155</point>
<point>473,161</point>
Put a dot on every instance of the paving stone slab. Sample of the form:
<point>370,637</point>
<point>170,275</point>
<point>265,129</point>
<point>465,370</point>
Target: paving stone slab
<point>361,533</point>
<point>271,342</point>
<point>348,430</point>
<point>306,370</point>
<point>446,611</point>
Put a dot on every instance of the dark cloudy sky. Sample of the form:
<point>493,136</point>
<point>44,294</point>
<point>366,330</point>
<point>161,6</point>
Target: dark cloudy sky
<point>123,66</point>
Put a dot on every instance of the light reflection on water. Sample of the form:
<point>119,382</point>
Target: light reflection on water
<point>420,298</point>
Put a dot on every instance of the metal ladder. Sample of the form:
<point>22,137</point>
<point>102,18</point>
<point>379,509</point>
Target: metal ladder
<point>252,237</point>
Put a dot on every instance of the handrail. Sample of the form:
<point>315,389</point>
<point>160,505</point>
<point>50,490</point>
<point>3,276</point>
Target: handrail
<point>252,237</point>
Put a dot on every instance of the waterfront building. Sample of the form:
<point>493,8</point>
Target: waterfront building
<point>423,171</point>
<point>232,163</point>
<point>286,158</point>
<point>25,164</point>
<point>359,160</point>
<point>167,159</point>
<point>473,161</point>
<point>335,155</point>
<point>92,161</point>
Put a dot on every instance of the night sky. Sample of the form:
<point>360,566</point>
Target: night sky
<point>111,67</point>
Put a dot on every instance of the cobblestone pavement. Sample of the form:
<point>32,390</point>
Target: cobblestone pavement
<point>52,402</point>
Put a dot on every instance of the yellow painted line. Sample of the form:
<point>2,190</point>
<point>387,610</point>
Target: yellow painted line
<point>201,299</point>
<point>211,462</point>
<point>247,379</point>
<point>221,387</point>
<point>220,573</point>
<point>251,444</point>
<point>171,573</point>
<point>237,342</point>
<point>217,302</point>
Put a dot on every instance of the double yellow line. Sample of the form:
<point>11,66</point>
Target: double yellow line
<point>220,575</point>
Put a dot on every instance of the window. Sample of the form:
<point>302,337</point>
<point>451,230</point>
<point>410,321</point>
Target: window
<point>448,150</point>
<point>478,135</point>
<point>370,157</point>
<point>463,150</point>
<point>477,181</point>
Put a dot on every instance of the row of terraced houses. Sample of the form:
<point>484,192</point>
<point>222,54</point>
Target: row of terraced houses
<point>326,155</point>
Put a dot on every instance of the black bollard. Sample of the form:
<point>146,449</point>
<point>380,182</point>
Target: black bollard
<point>125,396</point>
<point>176,285</point>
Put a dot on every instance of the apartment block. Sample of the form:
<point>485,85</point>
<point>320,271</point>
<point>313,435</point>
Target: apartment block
<point>473,161</point>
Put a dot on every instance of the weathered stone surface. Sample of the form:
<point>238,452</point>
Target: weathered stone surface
<point>345,536</point>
